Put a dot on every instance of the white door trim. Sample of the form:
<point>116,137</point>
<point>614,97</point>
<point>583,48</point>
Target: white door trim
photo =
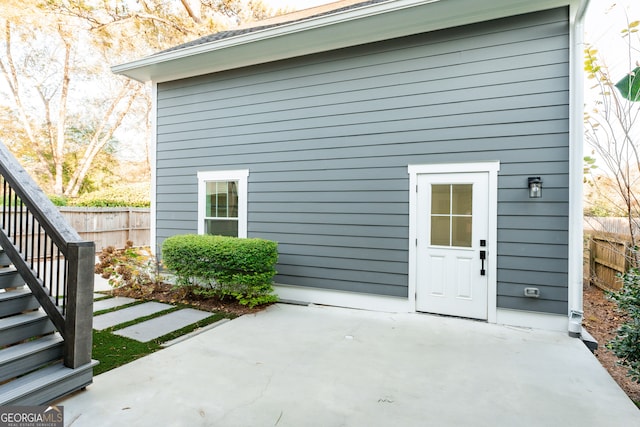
<point>492,168</point>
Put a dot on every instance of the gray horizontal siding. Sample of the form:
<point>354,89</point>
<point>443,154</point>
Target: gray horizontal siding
<point>533,304</point>
<point>367,254</point>
<point>327,139</point>
<point>354,219</point>
<point>374,208</point>
<point>542,277</point>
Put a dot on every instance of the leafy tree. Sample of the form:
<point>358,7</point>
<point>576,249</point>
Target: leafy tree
<point>50,73</point>
<point>142,27</point>
<point>612,131</point>
<point>54,66</point>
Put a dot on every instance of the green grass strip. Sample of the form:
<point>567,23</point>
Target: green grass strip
<point>113,350</point>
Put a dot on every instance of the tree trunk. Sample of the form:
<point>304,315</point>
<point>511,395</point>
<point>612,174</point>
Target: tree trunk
<point>102,135</point>
<point>58,154</point>
<point>11,76</point>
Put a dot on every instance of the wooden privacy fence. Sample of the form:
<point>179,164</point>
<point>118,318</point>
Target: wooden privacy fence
<point>607,250</point>
<point>110,226</point>
<point>605,256</point>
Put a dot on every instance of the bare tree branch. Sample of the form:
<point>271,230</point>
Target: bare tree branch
<point>102,135</point>
<point>190,11</point>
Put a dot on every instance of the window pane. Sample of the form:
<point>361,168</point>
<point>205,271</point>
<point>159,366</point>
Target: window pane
<point>210,199</point>
<point>462,199</point>
<point>221,199</point>
<point>233,199</point>
<point>440,199</point>
<point>219,227</point>
<point>461,232</point>
<point>440,227</point>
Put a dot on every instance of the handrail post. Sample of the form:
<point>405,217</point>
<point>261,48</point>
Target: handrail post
<point>79,305</point>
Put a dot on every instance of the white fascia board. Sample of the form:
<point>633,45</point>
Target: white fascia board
<point>381,21</point>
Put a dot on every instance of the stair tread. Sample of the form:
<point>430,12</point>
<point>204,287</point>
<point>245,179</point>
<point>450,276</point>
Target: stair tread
<point>23,349</point>
<point>33,316</point>
<point>39,379</point>
<point>16,293</point>
<point>10,278</point>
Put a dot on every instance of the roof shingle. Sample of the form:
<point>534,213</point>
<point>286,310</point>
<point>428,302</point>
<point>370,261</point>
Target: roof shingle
<point>341,6</point>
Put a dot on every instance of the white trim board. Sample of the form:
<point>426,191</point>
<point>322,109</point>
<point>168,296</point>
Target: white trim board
<point>387,304</point>
<point>153,156</point>
<point>576,164</point>
<point>304,295</point>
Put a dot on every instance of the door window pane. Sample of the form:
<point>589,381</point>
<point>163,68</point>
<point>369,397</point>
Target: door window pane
<point>461,231</point>
<point>451,214</point>
<point>461,199</point>
<point>440,230</point>
<point>440,199</point>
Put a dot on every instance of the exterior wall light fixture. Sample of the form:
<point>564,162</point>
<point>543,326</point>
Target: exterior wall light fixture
<point>535,187</point>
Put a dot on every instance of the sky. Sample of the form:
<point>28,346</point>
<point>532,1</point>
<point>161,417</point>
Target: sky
<point>602,29</point>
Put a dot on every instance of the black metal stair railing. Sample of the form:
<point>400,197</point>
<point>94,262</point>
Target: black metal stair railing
<point>43,256</point>
<point>50,256</point>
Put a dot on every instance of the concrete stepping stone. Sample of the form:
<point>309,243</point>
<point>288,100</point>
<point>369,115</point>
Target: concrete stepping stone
<point>113,318</point>
<point>111,303</point>
<point>159,326</point>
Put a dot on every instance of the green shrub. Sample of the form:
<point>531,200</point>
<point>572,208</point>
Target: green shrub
<point>626,344</point>
<point>58,200</point>
<point>224,266</point>
<point>130,195</point>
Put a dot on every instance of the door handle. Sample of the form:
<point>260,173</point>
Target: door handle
<point>483,257</point>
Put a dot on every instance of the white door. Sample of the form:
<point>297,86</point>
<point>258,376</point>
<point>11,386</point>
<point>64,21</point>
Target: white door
<point>452,246</point>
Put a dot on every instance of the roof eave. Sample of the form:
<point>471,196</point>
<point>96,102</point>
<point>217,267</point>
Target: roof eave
<point>368,24</point>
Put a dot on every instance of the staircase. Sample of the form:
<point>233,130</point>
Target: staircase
<point>46,295</point>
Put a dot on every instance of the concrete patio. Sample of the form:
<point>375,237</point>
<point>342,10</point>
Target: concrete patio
<point>323,366</point>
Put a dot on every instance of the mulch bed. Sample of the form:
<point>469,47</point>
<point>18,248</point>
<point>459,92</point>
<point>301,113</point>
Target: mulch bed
<point>165,292</point>
<point>602,319</point>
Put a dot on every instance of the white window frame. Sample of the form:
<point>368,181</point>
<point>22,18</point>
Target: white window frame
<point>242,177</point>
